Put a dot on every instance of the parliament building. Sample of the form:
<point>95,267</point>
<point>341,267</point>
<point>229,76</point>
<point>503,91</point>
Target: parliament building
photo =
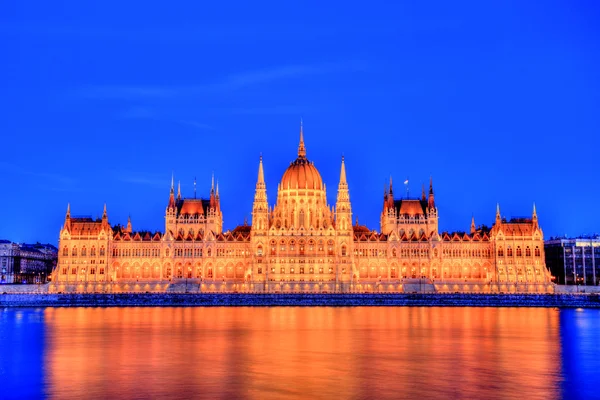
<point>302,244</point>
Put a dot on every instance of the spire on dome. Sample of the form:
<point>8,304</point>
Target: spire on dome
<point>301,148</point>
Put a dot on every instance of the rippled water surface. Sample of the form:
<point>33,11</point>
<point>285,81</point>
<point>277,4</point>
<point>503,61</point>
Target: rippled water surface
<point>273,353</point>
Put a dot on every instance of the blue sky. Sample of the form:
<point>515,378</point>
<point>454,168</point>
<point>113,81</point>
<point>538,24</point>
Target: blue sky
<point>498,101</point>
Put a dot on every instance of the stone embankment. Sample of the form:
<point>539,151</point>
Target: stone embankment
<point>298,300</point>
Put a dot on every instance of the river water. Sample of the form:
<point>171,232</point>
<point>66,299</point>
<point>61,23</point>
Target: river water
<point>321,352</point>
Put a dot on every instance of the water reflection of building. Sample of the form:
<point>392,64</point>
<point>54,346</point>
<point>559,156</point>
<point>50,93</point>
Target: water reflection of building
<point>574,261</point>
<point>301,243</point>
<point>26,263</point>
<point>299,352</point>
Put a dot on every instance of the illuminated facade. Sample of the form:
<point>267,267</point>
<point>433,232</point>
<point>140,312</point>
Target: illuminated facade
<point>303,244</point>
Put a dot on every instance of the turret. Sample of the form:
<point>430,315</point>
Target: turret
<point>171,205</point>
<point>129,230</point>
<point>68,217</point>
<point>431,201</point>
<point>179,190</point>
<point>473,229</point>
<point>214,218</point>
<point>534,217</point>
<point>498,217</point>
<point>171,211</point>
<point>213,200</point>
<point>105,217</point>
<point>390,199</point>
<point>218,199</point>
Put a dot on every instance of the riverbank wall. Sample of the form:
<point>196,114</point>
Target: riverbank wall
<point>298,300</point>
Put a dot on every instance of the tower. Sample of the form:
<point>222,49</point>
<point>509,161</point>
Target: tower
<point>432,211</point>
<point>214,217</point>
<point>342,205</point>
<point>171,211</point>
<point>260,207</point>
<point>388,221</point>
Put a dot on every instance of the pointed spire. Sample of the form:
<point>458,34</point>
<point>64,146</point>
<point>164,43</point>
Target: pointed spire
<point>179,190</point>
<point>212,200</point>
<point>343,173</point>
<point>172,182</point>
<point>104,215</point>
<point>67,225</point>
<point>498,217</point>
<point>194,187</point>
<point>473,229</point>
<point>129,224</point>
<point>217,188</point>
<point>261,172</point>
<point>423,198</point>
<point>301,148</point>
<point>534,216</point>
<point>431,201</point>
<point>391,190</point>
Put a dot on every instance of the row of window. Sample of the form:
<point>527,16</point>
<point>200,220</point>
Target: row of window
<point>65,252</point>
<point>509,251</point>
<point>136,252</point>
<point>464,253</point>
<point>179,253</point>
<point>292,270</point>
<point>82,271</point>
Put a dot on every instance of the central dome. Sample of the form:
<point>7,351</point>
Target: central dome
<point>301,173</point>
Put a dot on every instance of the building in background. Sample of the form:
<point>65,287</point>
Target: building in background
<point>302,244</point>
<point>574,260</point>
<point>26,263</point>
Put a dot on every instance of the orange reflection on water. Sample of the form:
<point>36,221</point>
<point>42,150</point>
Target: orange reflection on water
<point>376,352</point>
